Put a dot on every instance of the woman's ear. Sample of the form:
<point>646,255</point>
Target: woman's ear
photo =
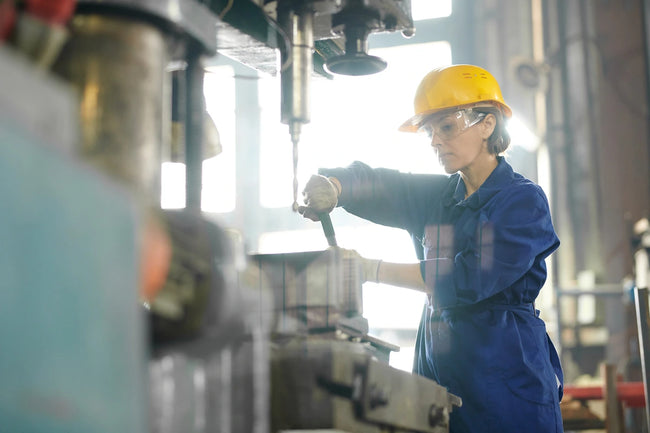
<point>488,124</point>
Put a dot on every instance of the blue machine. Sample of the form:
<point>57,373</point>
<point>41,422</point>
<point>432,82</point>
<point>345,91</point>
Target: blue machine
<point>72,346</point>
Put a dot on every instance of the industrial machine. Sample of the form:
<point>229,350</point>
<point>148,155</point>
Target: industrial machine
<point>327,372</point>
<point>314,37</point>
<point>234,343</point>
<point>306,21</point>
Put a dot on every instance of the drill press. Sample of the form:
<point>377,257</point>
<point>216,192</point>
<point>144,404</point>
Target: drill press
<point>305,22</point>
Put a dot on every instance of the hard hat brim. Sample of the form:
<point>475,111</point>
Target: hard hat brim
<point>413,123</point>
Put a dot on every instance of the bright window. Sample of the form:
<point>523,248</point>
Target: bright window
<point>351,118</point>
<point>428,9</point>
<point>218,194</point>
<point>219,172</point>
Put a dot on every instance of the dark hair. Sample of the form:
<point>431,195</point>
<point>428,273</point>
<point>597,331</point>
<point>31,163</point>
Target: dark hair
<point>499,141</point>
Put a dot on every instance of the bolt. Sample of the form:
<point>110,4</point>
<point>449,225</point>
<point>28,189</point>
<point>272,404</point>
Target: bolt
<point>377,396</point>
<point>437,416</point>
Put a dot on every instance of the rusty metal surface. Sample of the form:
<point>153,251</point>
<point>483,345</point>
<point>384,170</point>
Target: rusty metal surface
<point>117,66</point>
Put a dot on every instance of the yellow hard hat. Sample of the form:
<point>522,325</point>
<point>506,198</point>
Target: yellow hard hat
<point>455,86</point>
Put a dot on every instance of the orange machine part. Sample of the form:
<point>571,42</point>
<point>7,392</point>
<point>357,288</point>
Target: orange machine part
<point>155,256</point>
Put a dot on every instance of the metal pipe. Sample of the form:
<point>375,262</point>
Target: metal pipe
<point>641,303</point>
<point>194,112</point>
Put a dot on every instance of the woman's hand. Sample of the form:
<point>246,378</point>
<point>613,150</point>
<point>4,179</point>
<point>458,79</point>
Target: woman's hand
<point>405,275</point>
<point>368,268</point>
<point>320,196</point>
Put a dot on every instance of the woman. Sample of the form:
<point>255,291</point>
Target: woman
<point>482,235</point>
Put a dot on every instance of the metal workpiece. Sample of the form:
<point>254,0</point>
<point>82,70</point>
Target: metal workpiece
<point>185,17</point>
<point>341,386</point>
<point>312,291</point>
<point>117,66</point>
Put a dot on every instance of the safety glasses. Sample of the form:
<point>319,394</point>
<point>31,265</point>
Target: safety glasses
<point>450,125</point>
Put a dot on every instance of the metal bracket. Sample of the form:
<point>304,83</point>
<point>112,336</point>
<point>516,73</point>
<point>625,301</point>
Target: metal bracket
<point>413,403</point>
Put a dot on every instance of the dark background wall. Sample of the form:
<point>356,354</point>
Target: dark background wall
<point>590,107</point>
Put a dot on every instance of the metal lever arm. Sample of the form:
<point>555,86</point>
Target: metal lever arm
<point>328,229</point>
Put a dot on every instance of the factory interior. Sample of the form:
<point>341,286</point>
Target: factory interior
<point>156,276</point>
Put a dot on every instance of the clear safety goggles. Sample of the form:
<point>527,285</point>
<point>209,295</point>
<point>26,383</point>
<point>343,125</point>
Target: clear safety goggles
<point>450,125</point>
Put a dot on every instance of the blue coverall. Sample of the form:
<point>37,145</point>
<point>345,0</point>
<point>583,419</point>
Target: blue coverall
<point>480,335</point>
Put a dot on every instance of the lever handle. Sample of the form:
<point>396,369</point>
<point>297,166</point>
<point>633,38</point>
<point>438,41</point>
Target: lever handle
<point>328,229</point>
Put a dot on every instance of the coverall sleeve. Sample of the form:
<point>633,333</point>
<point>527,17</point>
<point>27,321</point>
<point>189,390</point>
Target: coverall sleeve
<point>506,248</point>
<point>386,196</point>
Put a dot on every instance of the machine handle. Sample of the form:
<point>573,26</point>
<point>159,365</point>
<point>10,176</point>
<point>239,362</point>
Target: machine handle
<point>328,229</point>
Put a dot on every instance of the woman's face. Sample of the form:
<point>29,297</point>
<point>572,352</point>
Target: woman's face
<point>467,149</point>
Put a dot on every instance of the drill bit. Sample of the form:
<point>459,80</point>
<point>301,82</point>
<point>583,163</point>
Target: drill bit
<point>295,175</point>
<point>295,137</point>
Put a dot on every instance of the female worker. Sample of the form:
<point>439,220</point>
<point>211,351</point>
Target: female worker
<point>481,234</point>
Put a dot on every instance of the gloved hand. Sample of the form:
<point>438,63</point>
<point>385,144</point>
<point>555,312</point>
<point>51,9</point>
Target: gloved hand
<point>368,269</point>
<point>320,196</point>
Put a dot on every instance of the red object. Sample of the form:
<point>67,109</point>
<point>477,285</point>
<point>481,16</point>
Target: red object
<point>7,18</point>
<point>630,393</point>
<point>51,11</point>
<point>155,259</point>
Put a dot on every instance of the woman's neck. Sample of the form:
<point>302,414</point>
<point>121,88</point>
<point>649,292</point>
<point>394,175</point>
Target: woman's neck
<point>475,175</point>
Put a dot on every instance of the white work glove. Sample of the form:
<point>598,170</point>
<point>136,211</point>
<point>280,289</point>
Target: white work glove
<point>320,196</point>
<point>368,269</point>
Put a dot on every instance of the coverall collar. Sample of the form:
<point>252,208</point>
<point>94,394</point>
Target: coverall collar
<point>500,176</point>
